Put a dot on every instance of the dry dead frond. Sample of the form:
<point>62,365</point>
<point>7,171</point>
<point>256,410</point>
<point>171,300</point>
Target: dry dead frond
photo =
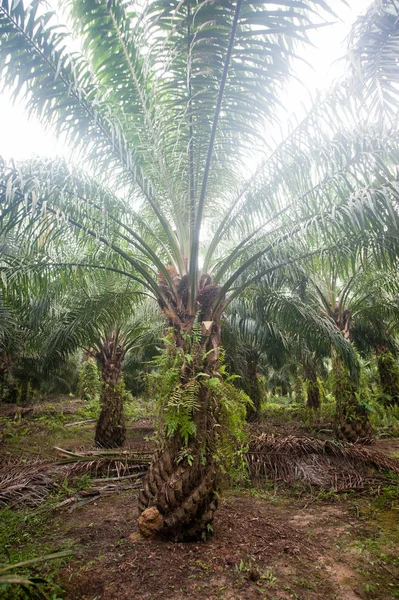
<point>321,463</point>
<point>29,483</point>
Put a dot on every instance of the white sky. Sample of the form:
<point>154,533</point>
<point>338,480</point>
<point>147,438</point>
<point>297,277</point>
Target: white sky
<point>22,137</point>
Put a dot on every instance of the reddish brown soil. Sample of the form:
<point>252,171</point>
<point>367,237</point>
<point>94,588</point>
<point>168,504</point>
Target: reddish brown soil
<point>259,550</point>
<point>269,547</point>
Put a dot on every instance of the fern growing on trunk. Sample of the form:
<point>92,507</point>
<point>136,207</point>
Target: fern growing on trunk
<point>200,427</point>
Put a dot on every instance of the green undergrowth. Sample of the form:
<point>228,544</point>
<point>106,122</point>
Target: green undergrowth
<point>46,427</point>
<point>29,534</point>
<point>385,420</point>
<point>135,408</point>
<point>286,410</point>
<point>376,543</point>
<point>38,435</point>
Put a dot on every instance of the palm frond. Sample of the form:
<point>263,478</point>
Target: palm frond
<point>374,46</point>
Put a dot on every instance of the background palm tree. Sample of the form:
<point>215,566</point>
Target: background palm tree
<point>104,315</point>
<point>374,328</point>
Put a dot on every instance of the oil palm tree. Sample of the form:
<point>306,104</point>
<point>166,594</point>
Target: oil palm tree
<point>276,327</point>
<point>166,104</point>
<point>24,304</point>
<point>251,346</point>
<point>332,295</point>
<point>375,327</point>
<point>374,47</point>
<point>104,316</point>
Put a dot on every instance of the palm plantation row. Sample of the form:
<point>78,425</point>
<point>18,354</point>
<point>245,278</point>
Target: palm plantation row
<point>165,106</point>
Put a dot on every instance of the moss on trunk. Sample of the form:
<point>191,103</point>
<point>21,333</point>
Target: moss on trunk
<point>183,480</point>
<point>111,426</point>
<point>298,389</point>
<point>197,415</point>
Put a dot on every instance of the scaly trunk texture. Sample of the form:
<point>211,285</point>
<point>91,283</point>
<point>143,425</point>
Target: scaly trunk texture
<point>111,426</point>
<point>351,423</point>
<point>388,371</point>
<point>312,387</point>
<point>180,490</point>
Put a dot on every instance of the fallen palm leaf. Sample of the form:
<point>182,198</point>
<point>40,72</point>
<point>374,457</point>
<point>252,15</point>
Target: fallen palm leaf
<point>322,463</point>
<point>108,463</point>
<point>28,484</point>
<point>76,423</point>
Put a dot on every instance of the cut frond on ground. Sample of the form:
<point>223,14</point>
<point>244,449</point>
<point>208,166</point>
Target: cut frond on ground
<point>106,463</point>
<point>30,483</point>
<point>321,463</point>
<point>27,484</point>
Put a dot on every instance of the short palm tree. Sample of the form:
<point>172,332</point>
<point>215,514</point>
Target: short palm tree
<point>278,327</point>
<point>24,306</point>
<point>167,104</point>
<point>103,314</point>
<point>251,347</point>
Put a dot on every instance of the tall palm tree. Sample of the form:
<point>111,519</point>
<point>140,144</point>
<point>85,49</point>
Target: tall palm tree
<point>167,103</point>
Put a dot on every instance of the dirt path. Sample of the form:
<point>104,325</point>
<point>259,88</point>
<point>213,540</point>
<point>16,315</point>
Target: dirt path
<point>273,550</point>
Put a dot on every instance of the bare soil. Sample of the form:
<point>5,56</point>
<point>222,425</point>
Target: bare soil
<point>262,548</point>
<point>270,544</point>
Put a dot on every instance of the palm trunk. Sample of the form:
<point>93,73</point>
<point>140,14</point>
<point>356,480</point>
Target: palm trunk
<point>111,426</point>
<point>351,422</point>
<point>388,371</point>
<point>3,382</point>
<point>8,386</point>
<point>24,392</point>
<point>312,389</point>
<point>180,490</point>
<point>298,389</point>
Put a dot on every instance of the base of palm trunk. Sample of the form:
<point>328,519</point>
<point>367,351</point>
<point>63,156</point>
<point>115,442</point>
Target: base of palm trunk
<point>354,431</point>
<point>178,500</point>
<point>253,411</point>
<point>351,423</point>
<point>111,426</point>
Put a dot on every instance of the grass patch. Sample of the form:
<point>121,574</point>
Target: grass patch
<point>376,543</point>
<point>27,535</point>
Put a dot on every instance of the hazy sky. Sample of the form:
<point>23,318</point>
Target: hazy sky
<point>21,137</point>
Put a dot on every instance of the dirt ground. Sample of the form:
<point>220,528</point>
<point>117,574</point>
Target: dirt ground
<point>263,547</point>
<point>272,543</point>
